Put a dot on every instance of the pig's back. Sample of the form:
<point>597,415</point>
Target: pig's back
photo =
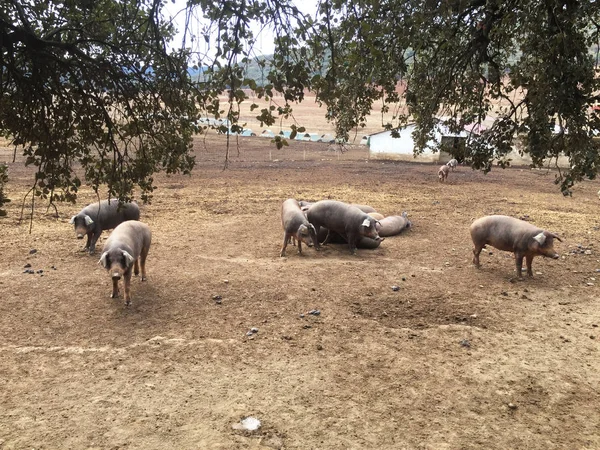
<point>131,233</point>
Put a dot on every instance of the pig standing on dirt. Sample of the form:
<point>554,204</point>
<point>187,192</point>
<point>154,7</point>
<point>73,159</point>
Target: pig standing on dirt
<point>104,215</point>
<point>128,243</point>
<point>296,226</point>
<point>347,220</point>
<point>452,164</point>
<point>443,173</point>
<point>393,225</point>
<point>512,235</point>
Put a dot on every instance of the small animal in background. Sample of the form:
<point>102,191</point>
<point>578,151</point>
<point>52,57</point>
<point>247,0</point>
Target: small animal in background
<point>99,216</point>
<point>443,173</point>
<point>296,226</point>
<point>452,164</point>
<point>512,235</point>
<point>126,248</point>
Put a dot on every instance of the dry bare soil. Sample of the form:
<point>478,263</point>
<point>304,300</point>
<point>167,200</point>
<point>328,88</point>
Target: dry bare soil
<point>457,358</point>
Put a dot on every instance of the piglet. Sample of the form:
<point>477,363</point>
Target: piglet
<point>443,173</point>
<point>513,235</point>
<point>452,164</point>
<point>128,243</point>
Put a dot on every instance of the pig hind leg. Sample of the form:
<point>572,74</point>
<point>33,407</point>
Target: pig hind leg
<point>476,252</point>
<point>143,256</point>
<point>519,263</point>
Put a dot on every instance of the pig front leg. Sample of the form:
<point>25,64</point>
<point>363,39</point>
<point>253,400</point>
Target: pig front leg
<point>136,268</point>
<point>299,245</point>
<point>92,243</point>
<point>529,260</point>
<point>352,241</point>
<point>87,244</point>
<point>115,291</point>
<point>142,258</point>
<point>127,284</point>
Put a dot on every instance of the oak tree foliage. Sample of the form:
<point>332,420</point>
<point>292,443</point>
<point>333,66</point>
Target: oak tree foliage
<point>99,89</point>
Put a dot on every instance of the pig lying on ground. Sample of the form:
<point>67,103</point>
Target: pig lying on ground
<point>128,243</point>
<point>364,208</point>
<point>296,226</point>
<point>335,238</point>
<point>512,235</point>
<point>346,220</point>
<point>452,164</point>
<point>443,173</point>
<point>376,215</point>
<point>96,217</point>
<point>393,225</point>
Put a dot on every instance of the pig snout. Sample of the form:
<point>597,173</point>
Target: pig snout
<point>116,275</point>
<point>372,233</point>
<point>79,236</point>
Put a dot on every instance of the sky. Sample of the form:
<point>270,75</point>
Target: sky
<point>176,10</point>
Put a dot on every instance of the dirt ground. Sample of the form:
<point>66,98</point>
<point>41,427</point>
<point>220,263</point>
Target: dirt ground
<point>457,358</point>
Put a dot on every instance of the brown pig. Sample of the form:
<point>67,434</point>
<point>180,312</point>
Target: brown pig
<point>512,235</point>
<point>296,226</point>
<point>344,219</point>
<point>128,243</point>
<point>443,173</point>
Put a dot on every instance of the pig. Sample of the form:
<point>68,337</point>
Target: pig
<point>296,226</point>
<point>376,215</point>
<point>346,220</point>
<point>443,173</point>
<point>365,208</point>
<point>452,164</point>
<point>513,235</point>
<point>104,215</point>
<point>393,225</point>
<point>335,238</point>
<point>127,246</point>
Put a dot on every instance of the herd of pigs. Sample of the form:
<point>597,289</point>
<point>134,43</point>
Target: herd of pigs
<point>315,224</point>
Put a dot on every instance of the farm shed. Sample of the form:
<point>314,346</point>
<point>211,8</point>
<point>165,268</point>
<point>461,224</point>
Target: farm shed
<point>383,146</point>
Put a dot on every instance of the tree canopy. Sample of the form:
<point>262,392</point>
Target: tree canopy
<point>102,84</point>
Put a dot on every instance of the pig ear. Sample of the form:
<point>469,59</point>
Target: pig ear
<point>303,229</point>
<point>366,223</point>
<point>540,238</point>
<point>72,221</point>
<point>555,236</point>
<point>103,259</point>
<point>129,258</point>
<point>88,220</point>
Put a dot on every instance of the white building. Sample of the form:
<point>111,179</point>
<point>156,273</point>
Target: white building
<point>383,146</point>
